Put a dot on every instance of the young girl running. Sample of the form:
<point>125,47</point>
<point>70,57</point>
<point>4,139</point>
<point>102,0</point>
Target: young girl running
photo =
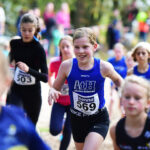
<point>63,102</point>
<point>86,75</point>
<point>141,55</point>
<point>119,63</point>
<point>133,131</point>
<point>118,60</point>
<point>16,131</point>
<point>30,68</point>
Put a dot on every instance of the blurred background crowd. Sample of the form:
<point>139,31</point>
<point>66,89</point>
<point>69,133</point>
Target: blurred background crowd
<point>113,21</point>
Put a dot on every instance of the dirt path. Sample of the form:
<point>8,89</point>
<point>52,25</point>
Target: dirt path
<point>53,141</point>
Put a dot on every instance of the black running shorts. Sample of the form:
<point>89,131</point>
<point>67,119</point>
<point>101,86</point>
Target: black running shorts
<point>82,125</point>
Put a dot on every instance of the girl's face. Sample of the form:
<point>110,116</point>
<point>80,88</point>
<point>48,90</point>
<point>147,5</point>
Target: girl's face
<point>118,53</point>
<point>141,55</point>
<point>134,99</point>
<point>50,7</point>
<point>27,31</point>
<point>66,49</point>
<point>84,50</point>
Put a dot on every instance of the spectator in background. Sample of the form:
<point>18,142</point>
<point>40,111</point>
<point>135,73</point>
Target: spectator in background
<point>2,20</point>
<point>49,12</point>
<point>21,13</point>
<point>129,16</point>
<point>57,34</point>
<point>63,16</point>
<point>37,12</point>
<point>50,23</point>
<point>143,26</point>
<point>113,33</point>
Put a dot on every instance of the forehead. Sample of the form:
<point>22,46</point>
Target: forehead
<point>27,25</point>
<point>134,88</point>
<point>141,49</point>
<point>81,41</point>
<point>118,49</point>
<point>65,42</point>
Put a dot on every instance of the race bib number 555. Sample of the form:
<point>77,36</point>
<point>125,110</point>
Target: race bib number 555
<point>86,104</point>
<point>22,78</point>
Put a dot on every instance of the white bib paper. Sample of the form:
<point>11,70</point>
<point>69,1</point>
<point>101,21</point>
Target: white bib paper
<point>86,104</point>
<point>22,78</point>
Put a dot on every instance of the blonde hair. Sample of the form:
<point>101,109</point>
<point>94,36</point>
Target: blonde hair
<point>67,38</point>
<point>138,80</point>
<point>85,32</point>
<point>144,45</point>
<point>4,67</point>
<point>120,45</point>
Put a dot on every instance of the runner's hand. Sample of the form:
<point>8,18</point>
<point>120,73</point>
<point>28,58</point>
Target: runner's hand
<point>22,66</point>
<point>53,95</point>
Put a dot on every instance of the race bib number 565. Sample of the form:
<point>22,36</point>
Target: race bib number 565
<point>22,78</point>
<point>86,104</point>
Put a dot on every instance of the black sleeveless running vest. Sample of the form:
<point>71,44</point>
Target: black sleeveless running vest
<point>126,142</point>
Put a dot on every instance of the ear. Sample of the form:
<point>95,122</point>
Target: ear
<point>95,46</point>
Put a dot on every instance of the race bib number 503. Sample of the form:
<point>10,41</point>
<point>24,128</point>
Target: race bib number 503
<point>86,104</point>
<point>22,78</point>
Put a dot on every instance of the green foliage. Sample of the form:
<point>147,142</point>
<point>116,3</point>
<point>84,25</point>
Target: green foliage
<point>83,12</point>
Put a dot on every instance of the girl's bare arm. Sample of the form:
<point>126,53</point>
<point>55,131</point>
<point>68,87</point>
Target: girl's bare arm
<point>62,75</point>
<point>107,70</point>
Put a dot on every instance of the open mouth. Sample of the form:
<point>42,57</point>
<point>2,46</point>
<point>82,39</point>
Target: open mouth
<point>82,56</point>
